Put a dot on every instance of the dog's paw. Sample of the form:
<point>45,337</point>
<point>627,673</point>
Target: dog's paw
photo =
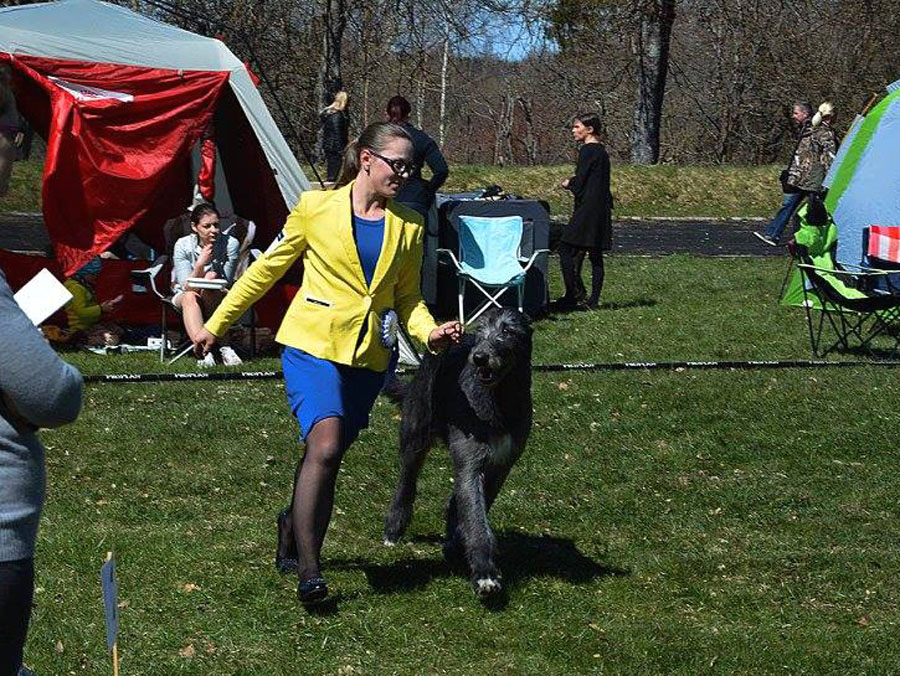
<point>389,542</point>
<point>487,586</point>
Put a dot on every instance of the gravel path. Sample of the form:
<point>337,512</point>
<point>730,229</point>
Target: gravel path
<point>26,233</point>
<point>705,238</point>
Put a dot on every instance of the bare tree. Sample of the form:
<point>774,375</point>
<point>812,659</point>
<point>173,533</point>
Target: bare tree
<point>333,19</point>
<point>500,81</point>
<point>650,47</point>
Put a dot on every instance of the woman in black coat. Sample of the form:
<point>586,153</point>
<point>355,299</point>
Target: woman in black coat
<point>334,134</point>
<point>590,228</point>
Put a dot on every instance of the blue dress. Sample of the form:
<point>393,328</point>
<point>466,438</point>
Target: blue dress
<point>318,388</point>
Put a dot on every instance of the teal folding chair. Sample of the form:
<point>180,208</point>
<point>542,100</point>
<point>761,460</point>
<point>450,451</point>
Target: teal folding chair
<point>490,260</point>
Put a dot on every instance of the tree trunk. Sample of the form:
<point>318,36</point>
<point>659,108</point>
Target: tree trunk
<point>650,47</point>
<point>329,80</point>
<point>443,91</point>
<point>530,140</point>
<point>503,154</point>
<point>365,120</point>
<point>420,96</point>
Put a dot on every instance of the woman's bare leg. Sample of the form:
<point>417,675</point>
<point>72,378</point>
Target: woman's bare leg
<point>191,313</point>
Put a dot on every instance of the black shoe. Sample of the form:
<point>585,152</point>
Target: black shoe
<point>563,304</point>
<point>285,562</point>
<point>592,303</point>
<point>312,590</point>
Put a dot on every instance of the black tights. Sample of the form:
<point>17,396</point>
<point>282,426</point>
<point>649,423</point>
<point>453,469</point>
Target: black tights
<point>16,593</point>
<point>313,497</point>
<point>571,259</point>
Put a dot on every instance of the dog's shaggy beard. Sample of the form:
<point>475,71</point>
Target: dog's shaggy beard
<point>501,341</point>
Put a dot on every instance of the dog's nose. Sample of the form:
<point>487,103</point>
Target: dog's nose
<point>479,359</point>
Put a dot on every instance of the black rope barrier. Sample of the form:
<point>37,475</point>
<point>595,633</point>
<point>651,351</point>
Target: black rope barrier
<point>224,376</point>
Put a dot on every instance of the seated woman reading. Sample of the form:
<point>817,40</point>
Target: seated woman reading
<point>199,256</point>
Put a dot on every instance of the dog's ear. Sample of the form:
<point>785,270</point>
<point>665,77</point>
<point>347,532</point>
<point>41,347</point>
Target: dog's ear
<point>523,317</point>
<point>520,318</point>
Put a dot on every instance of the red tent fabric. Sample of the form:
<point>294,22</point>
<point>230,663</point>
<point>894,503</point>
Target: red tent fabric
<point>118,145</point>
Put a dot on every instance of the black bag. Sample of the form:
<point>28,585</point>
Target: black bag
<point>786,187</point>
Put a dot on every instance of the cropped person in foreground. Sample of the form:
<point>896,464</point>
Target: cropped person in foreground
<point>37,389</point>
<point>362,254</point>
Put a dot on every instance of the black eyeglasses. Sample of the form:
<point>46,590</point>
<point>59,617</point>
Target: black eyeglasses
<point>398,165</point>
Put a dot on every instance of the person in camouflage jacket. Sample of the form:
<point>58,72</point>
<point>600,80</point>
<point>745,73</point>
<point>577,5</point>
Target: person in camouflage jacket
<point>812,157</point>
<point>815,152</point>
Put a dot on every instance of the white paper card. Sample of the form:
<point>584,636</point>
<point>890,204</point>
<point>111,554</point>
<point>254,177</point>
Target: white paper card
<point>43,295</point>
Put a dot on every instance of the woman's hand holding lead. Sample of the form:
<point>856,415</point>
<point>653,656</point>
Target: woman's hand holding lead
<point>203,343</point>
<point>449,333</point>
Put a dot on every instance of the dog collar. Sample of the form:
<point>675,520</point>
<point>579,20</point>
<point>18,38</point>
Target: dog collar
<point>390,326</point>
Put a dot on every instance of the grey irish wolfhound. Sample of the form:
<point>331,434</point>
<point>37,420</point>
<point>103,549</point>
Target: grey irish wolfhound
<point>476,397</point>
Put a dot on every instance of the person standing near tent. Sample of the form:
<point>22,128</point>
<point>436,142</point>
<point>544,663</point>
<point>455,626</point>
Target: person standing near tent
<point>815,150</point>
<point>361,253</point>
<point>825,144</point>
<point>590,228</point>
<point>334,134</point>
<point>37,389</point>
<point>12,131</point>
<point>417,193</point>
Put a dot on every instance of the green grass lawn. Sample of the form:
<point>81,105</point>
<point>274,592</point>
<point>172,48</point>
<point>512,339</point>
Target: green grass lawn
<point>639,191</point>
<point>666,190</point>
<point>688,522</point>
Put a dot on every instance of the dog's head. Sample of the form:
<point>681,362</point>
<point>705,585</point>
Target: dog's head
<point>502,341</point>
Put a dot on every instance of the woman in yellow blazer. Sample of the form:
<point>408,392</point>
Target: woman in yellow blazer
<point>362,255</point>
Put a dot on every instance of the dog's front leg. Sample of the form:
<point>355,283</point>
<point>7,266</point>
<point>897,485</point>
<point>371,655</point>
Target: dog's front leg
<point>413,451</point>
<point>471,511</point>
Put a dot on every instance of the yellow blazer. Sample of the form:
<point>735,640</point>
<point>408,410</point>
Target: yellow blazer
<point>334,304</point>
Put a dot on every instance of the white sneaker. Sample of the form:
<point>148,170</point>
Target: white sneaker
<point>207,362</point>
<point>229,356</point>
<point>765,238</point>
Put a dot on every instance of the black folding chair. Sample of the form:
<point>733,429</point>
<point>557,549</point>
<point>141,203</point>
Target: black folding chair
<point>854,306</point>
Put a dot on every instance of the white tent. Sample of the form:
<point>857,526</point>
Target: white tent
<point>88,30</point>
<point>91,32</point>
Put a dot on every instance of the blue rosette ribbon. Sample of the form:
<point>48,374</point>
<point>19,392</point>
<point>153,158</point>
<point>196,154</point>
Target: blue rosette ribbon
<point>390,327</point>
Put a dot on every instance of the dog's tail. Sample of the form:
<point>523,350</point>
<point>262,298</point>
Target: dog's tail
<point>396,390</point>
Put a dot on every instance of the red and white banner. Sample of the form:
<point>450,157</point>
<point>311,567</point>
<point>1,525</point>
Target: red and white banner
<point>884,243</point>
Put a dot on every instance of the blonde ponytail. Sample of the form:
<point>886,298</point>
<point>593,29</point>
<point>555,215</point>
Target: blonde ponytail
<point>349,165</point>
<point>825,112</point>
